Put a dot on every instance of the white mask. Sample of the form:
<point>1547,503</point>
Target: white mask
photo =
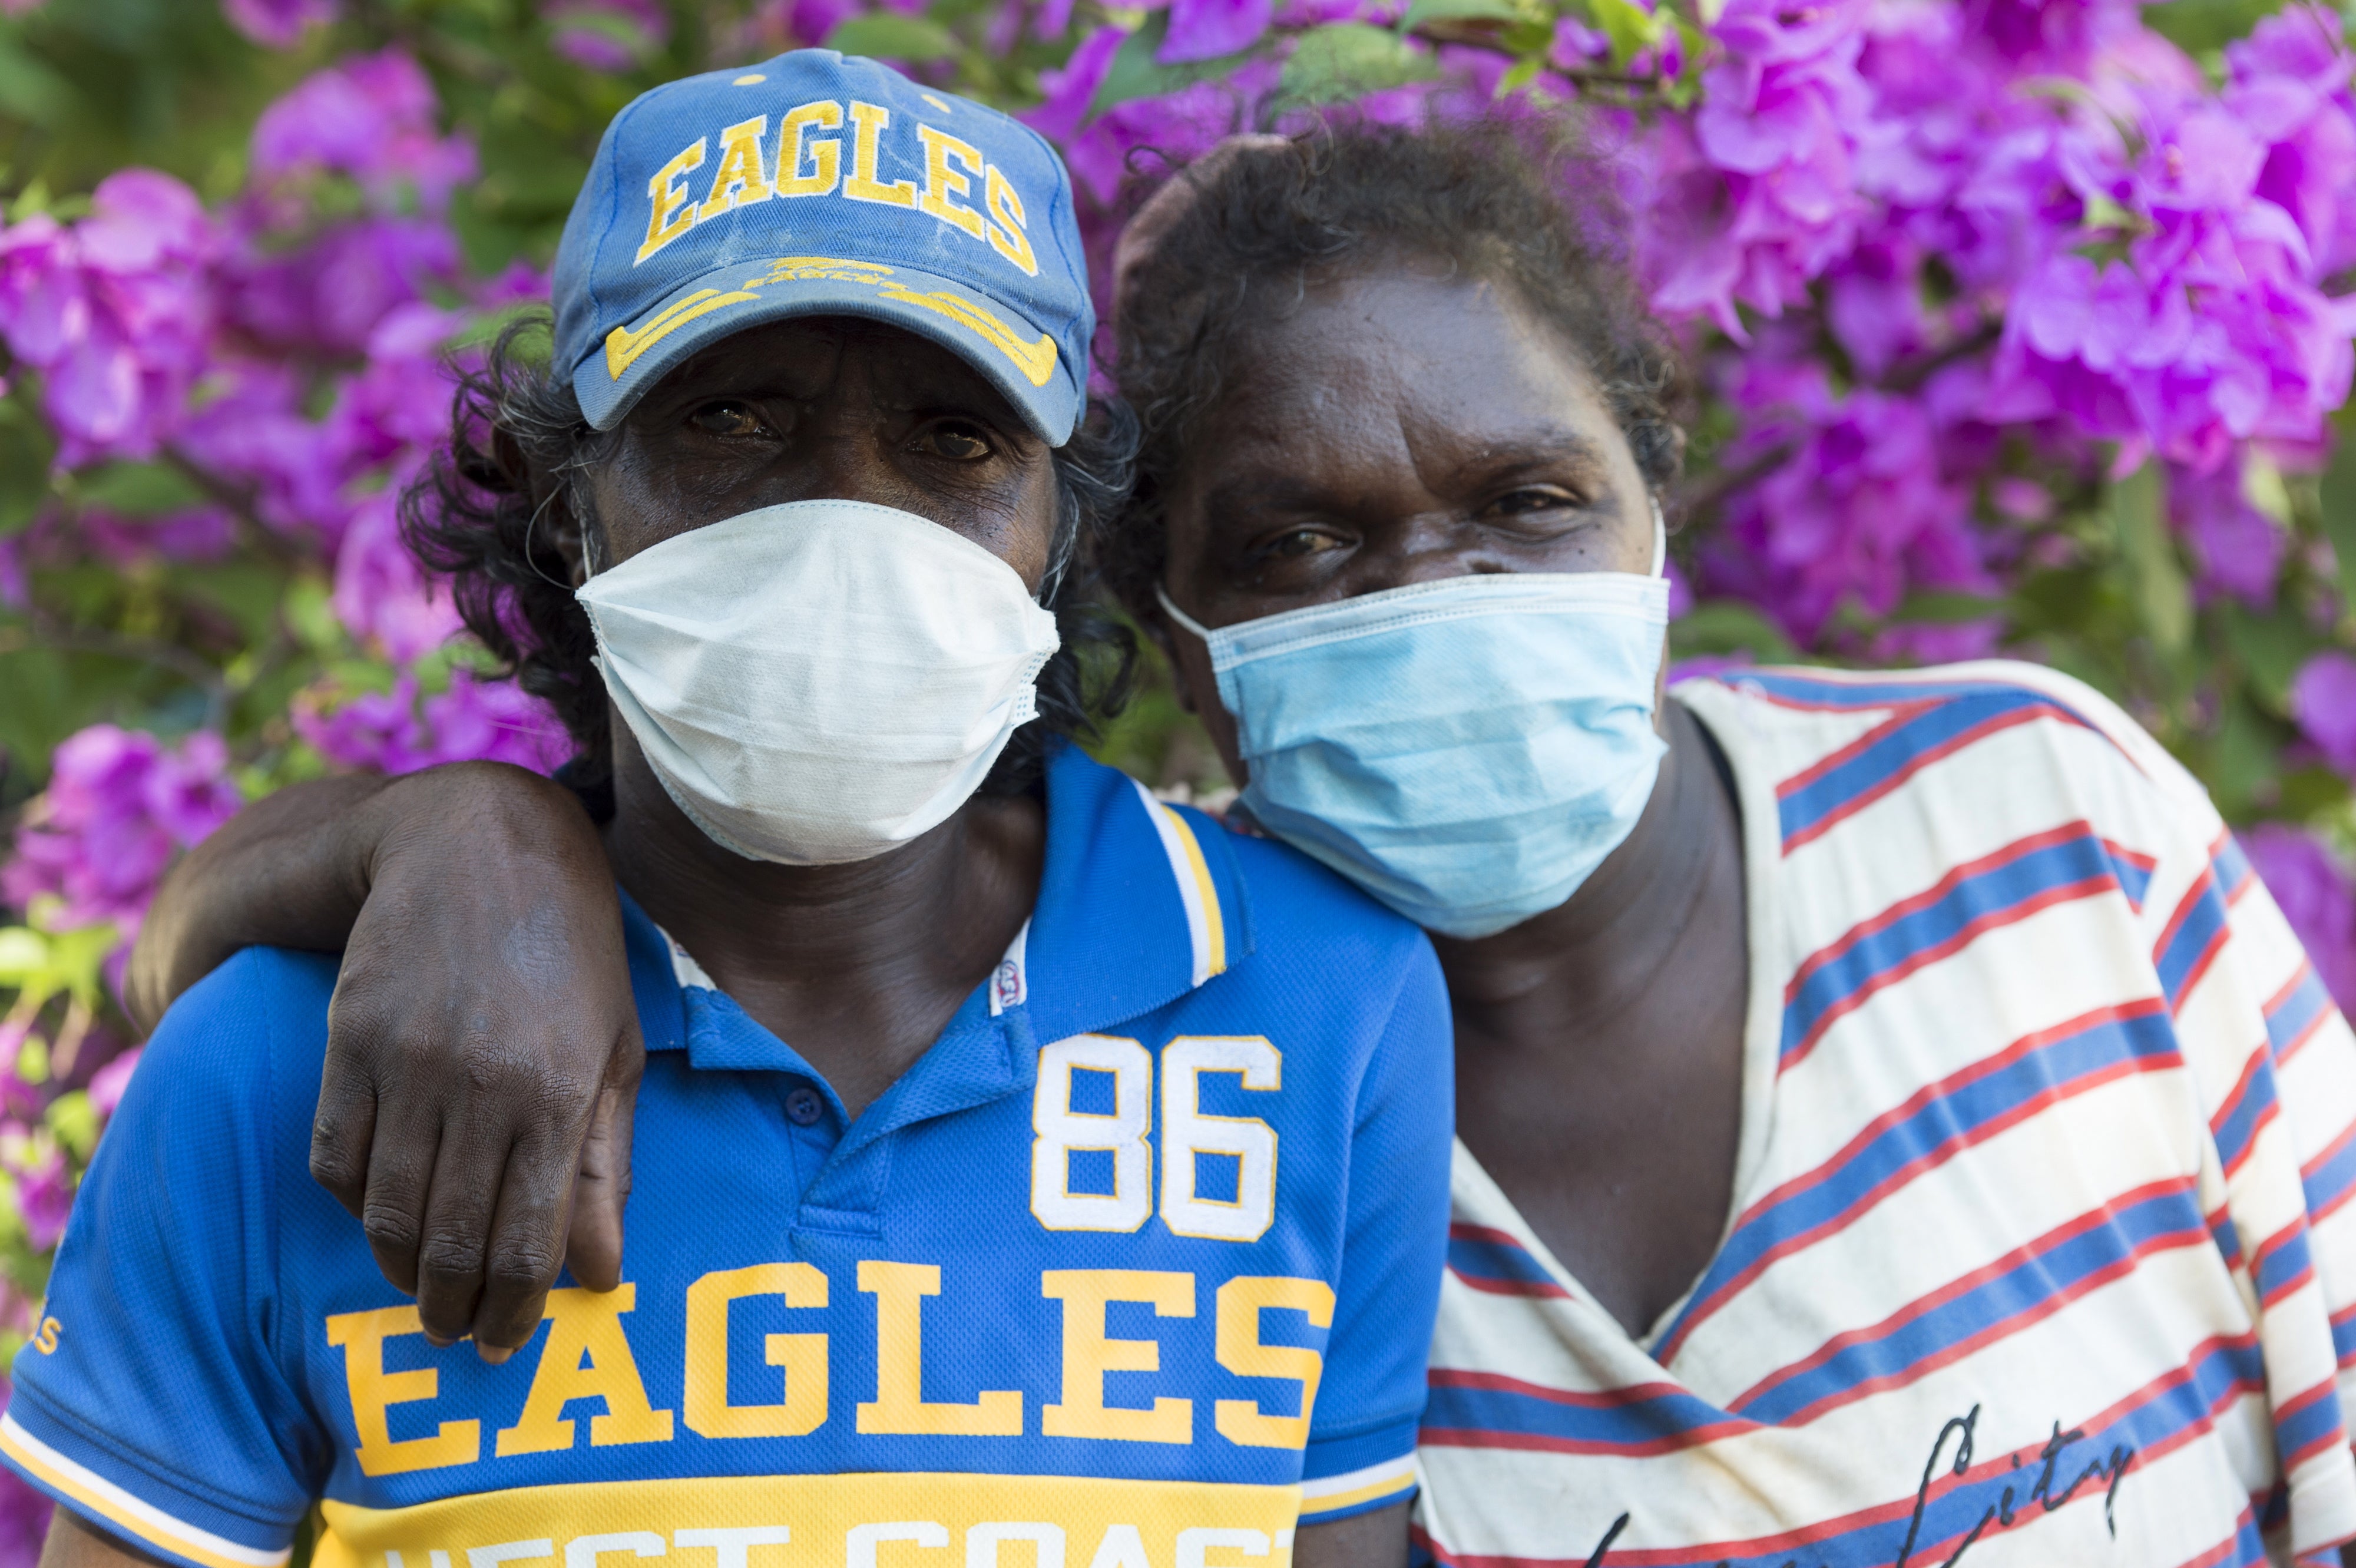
<point>819,682</point>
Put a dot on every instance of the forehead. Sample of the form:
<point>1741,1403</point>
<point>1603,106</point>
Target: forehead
<point>1449,360</point>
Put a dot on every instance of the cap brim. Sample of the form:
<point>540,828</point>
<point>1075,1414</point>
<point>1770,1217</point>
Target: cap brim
<point>1019,359</point>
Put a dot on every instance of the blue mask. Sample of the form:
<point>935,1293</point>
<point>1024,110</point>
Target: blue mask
<point>1467,750</point>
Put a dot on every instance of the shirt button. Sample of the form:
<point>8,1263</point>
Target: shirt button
<point>803,1107</point>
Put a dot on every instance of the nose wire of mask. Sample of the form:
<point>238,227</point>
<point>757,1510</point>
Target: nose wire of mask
<point>1467,750</point>
<point>819,682</point>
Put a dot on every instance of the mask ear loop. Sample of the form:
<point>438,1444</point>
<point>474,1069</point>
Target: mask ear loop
<point>1660,540</point>
<point>1181,617</point>
<point>1066,547</point>
<point>533,561</point>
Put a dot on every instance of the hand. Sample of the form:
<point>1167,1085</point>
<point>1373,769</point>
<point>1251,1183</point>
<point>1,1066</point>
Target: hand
<point>483,1051</point>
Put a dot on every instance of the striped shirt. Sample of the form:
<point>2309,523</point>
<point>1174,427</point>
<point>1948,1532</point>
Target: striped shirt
<point>2041,1250</point>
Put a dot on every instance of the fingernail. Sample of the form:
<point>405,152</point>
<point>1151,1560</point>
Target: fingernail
<point>492,1354</point>
<point>437,1341</point>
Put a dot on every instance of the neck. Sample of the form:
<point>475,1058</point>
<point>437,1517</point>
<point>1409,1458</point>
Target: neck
<point>1607,946</point>
<point>857,966</point>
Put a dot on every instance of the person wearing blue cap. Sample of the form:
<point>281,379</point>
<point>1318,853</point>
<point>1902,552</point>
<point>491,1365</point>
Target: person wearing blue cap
<point>1011,1178</point>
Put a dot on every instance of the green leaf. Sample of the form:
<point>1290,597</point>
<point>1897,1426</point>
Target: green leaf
<point>2271,648</point>
<point>1728,626</point>
<point>2155,578</point>
<point>246,590</point>
<point>2243,752</point>
<point>888,34</point>
<point>1349,59</point>
<point>310,613</point>
<point>1522,75</point>
<point>2339,498</point>
<point>74,1119</point>
<point>1424,11</point>
<point>41,963</point>
<point>24,952</point>
<point>25,454</point>
<point>1947,608</point>
<point>29,88</point>
<point>1629,26</point>
<point>137,489</point>
<point>1135,73</point>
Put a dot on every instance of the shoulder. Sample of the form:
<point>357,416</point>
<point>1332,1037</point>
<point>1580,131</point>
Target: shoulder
<point>1837,744</point>
<point>1325,947</point>
<point>1296,903</point>
<point>258,1021</point>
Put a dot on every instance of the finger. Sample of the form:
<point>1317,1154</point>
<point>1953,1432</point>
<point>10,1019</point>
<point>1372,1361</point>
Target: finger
<point>403,1146</point>
<point>468,1168</point>
<point>526,1246</point>
<point>594,1239</point>
<point>343,1129</point>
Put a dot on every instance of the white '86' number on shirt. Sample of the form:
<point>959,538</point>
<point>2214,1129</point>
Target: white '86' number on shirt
<point>1125,1134</point>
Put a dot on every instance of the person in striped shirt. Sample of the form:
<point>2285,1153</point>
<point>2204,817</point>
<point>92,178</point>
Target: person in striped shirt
<point>1913,1137</point>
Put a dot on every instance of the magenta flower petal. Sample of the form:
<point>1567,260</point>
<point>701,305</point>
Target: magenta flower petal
<point>1206,29</point>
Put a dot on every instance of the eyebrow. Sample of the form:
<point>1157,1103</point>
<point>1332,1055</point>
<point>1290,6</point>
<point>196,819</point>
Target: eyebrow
<point>1534,447</point>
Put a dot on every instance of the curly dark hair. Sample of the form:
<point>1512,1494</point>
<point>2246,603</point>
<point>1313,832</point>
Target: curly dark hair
<point>1517,201</point>
<point>491,510</point>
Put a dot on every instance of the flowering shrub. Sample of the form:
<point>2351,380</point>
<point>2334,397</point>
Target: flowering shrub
<point>2021,328</point>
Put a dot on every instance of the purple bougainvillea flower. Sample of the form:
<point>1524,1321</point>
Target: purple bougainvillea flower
<point>1206,29</point>
<point>119,805</point>
<point>608,36</point>
<point>2315,898</point>
<point>394,732</point>
<point>2323,701</point>
<point>381,595</point>
<point>1071,88</point>
<point>280,24</point>
<point>107,1084</point>
<point>44,1199</point>
<point>250,429</point>
<point>373,119</point>
<point>329,294</point>
<point>1176,127</point>
<point>115,311</point>
<point>1860,515</point>
<point>2238,548</point>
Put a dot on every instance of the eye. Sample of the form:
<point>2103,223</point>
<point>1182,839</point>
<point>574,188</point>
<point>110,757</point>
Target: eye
<point>1299,543</point>
<point>1532,497</point>
<point>728,420</point>
<point>959,440</point>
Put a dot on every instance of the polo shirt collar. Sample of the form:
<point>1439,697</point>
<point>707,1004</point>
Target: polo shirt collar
<point>1140,902</point>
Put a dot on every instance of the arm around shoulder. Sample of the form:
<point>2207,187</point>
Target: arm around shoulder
<point>483,1047</point>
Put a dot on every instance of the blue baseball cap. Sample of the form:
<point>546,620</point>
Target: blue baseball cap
<point>822,184</point>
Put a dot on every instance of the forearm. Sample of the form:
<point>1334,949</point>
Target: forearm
<point>294,868</point>
<point>289,870</point>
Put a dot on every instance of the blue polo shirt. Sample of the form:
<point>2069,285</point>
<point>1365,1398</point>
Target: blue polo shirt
<point>1135,1268</point>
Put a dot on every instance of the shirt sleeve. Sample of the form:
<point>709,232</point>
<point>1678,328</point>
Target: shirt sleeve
<point>151,1400</point>
<point>1362,1431</point>
<point>2274,1069</point>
